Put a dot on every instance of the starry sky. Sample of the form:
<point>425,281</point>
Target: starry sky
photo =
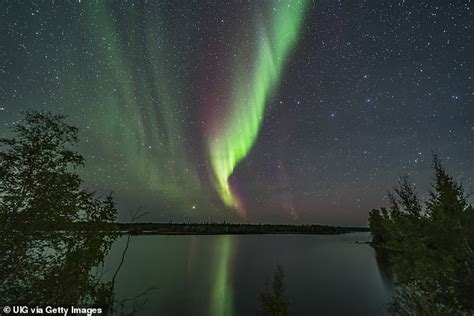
<point>260,111</point>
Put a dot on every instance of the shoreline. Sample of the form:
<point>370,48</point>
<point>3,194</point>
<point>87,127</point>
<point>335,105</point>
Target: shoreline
<point>232,229</point>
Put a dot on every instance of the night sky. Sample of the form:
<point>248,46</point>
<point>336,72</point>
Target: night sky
<point>270,111</point>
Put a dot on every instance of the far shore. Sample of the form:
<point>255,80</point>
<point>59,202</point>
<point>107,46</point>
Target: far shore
<point>231,228</point>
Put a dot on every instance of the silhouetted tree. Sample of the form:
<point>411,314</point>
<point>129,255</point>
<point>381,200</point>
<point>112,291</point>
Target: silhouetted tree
<point>39,183</point>
<point>275,302</point>
<point>430,248</point>
<point>53,231</point>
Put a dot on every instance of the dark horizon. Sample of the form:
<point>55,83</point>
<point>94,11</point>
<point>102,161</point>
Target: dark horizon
<point>233,229</point>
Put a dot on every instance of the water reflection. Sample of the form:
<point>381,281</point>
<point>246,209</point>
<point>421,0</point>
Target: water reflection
<point>382,258</point>
<point>222,299</point>
<point>198,275</point>
<point>225,275</point>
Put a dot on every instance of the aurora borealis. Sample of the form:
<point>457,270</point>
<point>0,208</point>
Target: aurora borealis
<point>239,129</point>
<point>270,111</point>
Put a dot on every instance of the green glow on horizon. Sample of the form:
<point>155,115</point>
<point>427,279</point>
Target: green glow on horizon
<point>250,93</point>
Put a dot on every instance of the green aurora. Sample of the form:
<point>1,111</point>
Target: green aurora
<point>133,87</point>
<point>250,92</point>
<point>144,115</point>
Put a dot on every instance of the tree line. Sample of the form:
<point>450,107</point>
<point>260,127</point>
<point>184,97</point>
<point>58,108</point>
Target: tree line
<point>230,228</point>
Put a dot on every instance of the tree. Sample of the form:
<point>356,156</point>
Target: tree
<point>275,303</point>
<point>430,248</point>
<point>377,224</point>
<point>39,183</point>
<point>53,231</point>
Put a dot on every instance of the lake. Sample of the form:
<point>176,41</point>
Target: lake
<point>224,274</point>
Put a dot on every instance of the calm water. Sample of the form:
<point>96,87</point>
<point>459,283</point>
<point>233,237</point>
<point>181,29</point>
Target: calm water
<point>223,275</point>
